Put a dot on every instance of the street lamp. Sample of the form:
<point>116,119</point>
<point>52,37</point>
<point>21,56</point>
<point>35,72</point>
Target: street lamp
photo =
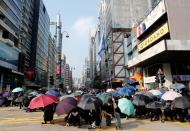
<point>60,51</point>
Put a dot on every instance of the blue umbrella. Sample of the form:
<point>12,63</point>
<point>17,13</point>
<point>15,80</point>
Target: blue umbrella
<point>53,93</point>
<point>125,91</point>
<point>18,89</point>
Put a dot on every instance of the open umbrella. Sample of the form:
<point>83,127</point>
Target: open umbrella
<point>34,93</point>
<point>5,94</point>
<point>18,89</point>
<point>42,101</point>
<point>155,92</point>
<point>170,95</point>
<point>125,91</point>
<point>53,93</point>
<point>140,100</point>
<point>90,103</point>
<point>182,102</point>
<point>105,97</point>
<point>66,105</point>
<point>154,105</point>
<point>126,106</point>
<point>177,86</point>
<point>110,90</point>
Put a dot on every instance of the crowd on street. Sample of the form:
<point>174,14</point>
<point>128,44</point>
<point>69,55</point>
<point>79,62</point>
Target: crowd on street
<point>90,107</point>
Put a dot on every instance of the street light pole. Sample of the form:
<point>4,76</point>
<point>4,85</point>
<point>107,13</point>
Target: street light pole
<point>60,52</point>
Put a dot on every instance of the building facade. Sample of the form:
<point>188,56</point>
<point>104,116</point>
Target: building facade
<point>51,61</point>
<point>163,44</point>
<point>92,53</point>
<point>40,37</point>
<point>11,72</point>
<point>67,76</point>
<point>116,19</point>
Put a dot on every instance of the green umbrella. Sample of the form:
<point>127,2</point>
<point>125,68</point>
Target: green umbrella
<point>126,106</point>
<point>105,97</point>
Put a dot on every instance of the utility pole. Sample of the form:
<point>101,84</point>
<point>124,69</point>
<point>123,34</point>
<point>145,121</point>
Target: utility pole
<point>58,37</point>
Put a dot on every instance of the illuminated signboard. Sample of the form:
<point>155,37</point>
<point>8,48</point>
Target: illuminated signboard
<point>163,30</point>
<point>155,14</point>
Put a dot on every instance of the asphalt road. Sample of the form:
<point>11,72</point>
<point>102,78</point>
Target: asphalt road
<point>14,119</point>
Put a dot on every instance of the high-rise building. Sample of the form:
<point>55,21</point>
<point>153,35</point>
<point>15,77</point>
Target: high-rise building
<point>67,76</point>
<point>116,18</point>
<point>40,37</point>
<point>51,61</point>
<point>25,30</point>
<point>92,53</point>
<point>11,72</point>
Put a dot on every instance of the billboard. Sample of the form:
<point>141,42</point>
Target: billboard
<point>154,15</point>
<point>163,30</point>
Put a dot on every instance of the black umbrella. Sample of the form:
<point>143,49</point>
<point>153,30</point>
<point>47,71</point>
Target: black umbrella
<point>140,100</point>
<point>90,103</point>
<point>154,105</point>
<point>182,102</point>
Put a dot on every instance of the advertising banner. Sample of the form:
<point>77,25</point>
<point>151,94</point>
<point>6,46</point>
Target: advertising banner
<point>155,14</point>
<point>163,30</point>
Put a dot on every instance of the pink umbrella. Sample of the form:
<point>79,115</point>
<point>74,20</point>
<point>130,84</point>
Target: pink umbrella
<point>66,105</point>
<point>170,95</point>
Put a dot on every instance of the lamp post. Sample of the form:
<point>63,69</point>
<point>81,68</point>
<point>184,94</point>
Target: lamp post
<point>60,52</point>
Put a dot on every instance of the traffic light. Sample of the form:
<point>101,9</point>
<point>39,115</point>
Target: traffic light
<point>157,79</point>
<point>51,80</point>
<point>162,78</point>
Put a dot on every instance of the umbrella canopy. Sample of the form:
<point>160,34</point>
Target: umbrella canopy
<point>105,97</point>
<point>170,95</point>
<point>126,106</point>
<point>110,90</point>
<point>140,100</point>
<point>154,105</point>
<point>182,102</point>
<point>34,93</point>
<point>125,91</point>
<point>42,101</point>
<point>18,89</point>
<point>90,103</point>
<point>177,86</point>
<point>63,97</point>
<point>66,105</point>
<point>115,94</point>
<point>155,92</point>
<point>5,94</point>
<point>163,90</point>
<point>53,93</point>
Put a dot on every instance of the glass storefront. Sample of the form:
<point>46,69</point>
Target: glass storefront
<point>8,57</point>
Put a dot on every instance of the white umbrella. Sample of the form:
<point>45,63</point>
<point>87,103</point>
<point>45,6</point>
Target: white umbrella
<point>155,92</point>
<point>170,95</point>
<point>110,90</point>
<point>177,86</point>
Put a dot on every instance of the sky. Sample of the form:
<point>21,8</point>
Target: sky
<point>77,17</point>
